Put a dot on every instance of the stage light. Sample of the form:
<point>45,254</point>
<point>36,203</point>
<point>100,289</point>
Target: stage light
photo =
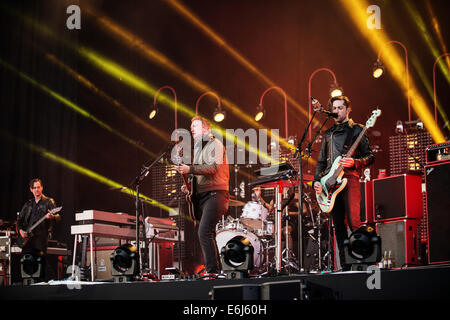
<point>399,127</point>
<point>259,113</point>
<point>32,267</point>
<point>237,258</point>
<point>378,69</point>
<point>153,113</point>
<point>362,248</point>
<point>336,90</point>
<point>219,115</point>
<point>124,266</point>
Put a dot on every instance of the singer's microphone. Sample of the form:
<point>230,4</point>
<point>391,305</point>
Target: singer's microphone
<point>318,107</point>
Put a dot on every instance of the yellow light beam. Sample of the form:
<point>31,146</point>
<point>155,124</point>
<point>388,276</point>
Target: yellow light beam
<point>88,84</point>
<point>424,77</point>
<point>81,170</point>
<point>74,107</point>
<point>437,30</point>
<point>191,17</point>
<point>356,9</point>
<point>153,55</point>
<point>140,84</point>
<point>126,76</point>
<point>413,12</point>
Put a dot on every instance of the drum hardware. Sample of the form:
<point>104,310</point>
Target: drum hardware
<point>235,203</point>
<point>289,260</point>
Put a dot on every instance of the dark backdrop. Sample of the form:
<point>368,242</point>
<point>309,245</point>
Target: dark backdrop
<point>285,40</point>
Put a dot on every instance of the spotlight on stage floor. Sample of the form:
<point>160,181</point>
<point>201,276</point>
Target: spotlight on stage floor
<point>124,266</point>
<point>362,248</point>
<point>237,258</point>
<point>32,267</point>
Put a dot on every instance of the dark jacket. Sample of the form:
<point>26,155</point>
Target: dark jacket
<point>45,204</point>
<point>210,165</point>
<point>333,145</point>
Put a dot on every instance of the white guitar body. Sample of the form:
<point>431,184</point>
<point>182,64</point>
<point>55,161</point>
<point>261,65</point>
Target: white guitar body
<point>332,183</point>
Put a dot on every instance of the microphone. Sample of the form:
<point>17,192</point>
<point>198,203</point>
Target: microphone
<point>318,107</point>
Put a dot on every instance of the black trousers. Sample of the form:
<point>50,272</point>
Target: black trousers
<point>346,212</point>
<point>212,206</point>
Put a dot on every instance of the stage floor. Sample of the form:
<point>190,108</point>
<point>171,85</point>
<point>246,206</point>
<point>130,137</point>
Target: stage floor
<point>422,283</point>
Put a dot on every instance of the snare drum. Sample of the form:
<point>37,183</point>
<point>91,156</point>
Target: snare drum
<point>254,215</point>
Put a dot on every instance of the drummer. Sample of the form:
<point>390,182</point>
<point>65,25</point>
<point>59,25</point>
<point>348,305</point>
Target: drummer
<point>292,212</point>
<point>258,198</point>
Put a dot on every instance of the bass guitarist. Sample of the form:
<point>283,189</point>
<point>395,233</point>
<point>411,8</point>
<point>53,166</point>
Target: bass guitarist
<point>32,211</point>
<point>336,142</point>
<point>211,170</point>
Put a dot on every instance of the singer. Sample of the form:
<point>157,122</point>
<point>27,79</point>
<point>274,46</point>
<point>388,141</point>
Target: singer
<point>212,172</point>
<point>336,142</point>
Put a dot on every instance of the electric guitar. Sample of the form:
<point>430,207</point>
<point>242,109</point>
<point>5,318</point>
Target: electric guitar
<point>333,183</point>
<point>21,242</point>
<point>191,185</point>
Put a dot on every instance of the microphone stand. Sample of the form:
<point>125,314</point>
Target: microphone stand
<point>145,170</point>
<point>299,153</point>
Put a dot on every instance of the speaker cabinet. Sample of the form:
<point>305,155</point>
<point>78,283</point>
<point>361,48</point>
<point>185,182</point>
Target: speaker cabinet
<point>397,197</point>
<point>283,290</point>
<point>401,239</point>
<point>437,181</point>
<point>366,204</point>
<point>102,255</point>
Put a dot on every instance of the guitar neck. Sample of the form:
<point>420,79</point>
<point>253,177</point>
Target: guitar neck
<point>53,211</point>
<point>36,224</point>
<point>351,151</point>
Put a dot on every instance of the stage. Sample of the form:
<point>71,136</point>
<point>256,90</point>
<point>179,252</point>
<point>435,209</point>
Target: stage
<point>417,283</point>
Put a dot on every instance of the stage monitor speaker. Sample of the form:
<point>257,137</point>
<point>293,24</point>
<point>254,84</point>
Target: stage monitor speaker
<point>400,238</point>
<point>283,290</point>
<point>398,197</point>
<point>366,204</point>
<point>437,181</point>
<point>236,292</point>
<point>102,255</point>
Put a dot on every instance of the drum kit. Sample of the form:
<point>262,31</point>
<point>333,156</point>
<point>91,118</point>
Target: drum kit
<point>257,224</point>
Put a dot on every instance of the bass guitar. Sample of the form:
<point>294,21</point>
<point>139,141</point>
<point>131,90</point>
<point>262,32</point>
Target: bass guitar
<point>333,183</point>
<point>21,242</point>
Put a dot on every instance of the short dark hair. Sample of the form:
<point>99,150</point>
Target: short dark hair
<point>35,180</point>
<point>343,98</point>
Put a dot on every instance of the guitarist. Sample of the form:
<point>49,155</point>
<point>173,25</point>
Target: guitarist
<point>336,142</point>
<point>210,167</point>
<point>32,211</point>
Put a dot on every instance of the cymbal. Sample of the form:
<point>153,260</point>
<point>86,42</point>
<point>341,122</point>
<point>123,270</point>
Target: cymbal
<point>236,203</point>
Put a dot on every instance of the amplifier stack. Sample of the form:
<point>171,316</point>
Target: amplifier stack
<point>398,209</point>
<point>437,181</point>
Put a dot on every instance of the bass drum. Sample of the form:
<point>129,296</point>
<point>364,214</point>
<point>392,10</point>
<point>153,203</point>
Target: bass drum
<point>222,238</point>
